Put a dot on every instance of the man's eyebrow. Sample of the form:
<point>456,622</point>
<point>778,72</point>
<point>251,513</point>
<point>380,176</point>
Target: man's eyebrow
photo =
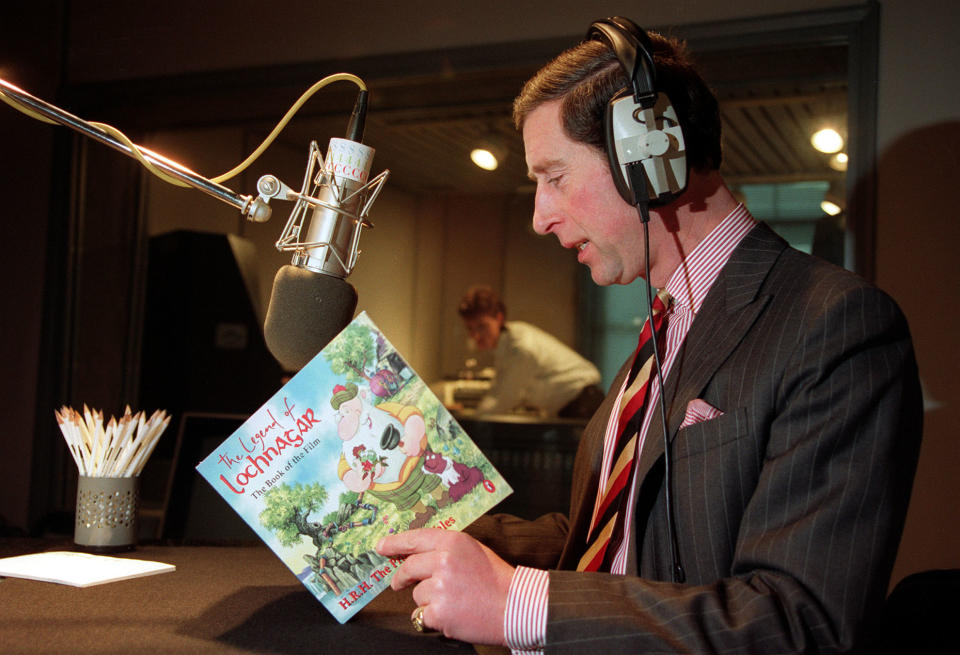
<point>543,168</point>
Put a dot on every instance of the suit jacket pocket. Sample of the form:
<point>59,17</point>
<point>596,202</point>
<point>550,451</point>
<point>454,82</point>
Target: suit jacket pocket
<point>707,435</point>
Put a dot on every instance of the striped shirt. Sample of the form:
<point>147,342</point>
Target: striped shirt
<point>525,619</point>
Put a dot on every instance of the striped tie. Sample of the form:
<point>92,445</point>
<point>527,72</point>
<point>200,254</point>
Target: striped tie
<point>606,528</point>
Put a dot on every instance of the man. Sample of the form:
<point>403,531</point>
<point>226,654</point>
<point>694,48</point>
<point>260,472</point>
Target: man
<point>793,417</point>
<point>535,370</point>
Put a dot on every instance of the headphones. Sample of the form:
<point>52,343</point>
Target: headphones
<point>644,142</point>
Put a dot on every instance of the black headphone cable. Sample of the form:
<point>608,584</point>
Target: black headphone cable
<point>642,209</point>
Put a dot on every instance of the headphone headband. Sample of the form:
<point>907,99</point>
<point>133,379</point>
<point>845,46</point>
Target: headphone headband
<point>633,49</point>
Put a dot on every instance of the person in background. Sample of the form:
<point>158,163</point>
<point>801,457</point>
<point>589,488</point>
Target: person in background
<point>535,370</point>
<point>791,414</point>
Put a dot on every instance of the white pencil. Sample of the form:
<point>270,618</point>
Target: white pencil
<point>121,449</point>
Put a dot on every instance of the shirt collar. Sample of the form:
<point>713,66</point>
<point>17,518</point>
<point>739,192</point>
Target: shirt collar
<point>696,274</point>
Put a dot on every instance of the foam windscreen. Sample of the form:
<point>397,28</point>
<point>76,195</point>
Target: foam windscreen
<point>306,311</point>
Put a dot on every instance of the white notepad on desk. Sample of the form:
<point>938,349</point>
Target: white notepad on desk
<point>78,569</point>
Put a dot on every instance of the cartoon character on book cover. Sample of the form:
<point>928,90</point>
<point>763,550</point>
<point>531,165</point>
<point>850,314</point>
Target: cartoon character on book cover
<point>354,447</point>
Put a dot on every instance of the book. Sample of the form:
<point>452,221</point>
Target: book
<point>78,569</point>
<point>352,448</point>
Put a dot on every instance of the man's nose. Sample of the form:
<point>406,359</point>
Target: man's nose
<point>544,218</point>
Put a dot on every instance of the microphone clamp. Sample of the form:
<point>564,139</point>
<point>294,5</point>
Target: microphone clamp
<point>323,230</point>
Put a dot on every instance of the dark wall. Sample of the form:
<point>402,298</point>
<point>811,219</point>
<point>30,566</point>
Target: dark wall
<point>202,348</point>
<point>30,37</point>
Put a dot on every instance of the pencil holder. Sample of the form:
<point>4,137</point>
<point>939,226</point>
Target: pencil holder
<point>107,511</point>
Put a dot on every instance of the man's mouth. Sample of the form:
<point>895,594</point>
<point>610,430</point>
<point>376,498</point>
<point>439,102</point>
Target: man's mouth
<point>580,246</point>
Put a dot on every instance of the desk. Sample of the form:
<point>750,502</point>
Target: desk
<point>219,600</point>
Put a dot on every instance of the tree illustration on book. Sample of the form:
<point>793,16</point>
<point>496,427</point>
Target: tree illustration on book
<point>288,514</point>
<point>354,447</point>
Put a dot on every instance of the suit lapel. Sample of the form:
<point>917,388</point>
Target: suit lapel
<point>730,308</point>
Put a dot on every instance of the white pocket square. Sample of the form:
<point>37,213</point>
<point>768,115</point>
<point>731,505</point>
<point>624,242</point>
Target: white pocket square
<point>698,411</point>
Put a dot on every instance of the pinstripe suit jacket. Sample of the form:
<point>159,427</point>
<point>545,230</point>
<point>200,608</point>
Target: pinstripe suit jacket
<point>788,507</point>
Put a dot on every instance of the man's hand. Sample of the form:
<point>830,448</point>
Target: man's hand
<point>461,584</point>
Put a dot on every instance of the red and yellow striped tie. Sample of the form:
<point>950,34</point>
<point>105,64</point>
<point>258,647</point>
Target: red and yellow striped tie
<point>606,527</point>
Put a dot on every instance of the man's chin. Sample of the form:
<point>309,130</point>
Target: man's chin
<point>607,283</point>
<point>603,278</point>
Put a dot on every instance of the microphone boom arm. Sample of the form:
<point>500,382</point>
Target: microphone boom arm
<point>342,195</point>
<point>252,208</point>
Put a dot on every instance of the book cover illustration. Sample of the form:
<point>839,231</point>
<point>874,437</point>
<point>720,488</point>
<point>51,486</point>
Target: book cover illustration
<point>354,447</point>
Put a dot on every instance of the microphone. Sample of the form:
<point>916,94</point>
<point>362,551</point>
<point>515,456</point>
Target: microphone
<point>311,302</point>
<point>306,310</point>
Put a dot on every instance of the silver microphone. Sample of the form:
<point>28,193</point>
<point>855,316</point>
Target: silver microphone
<point>331,241</point>
<point>311,301</point>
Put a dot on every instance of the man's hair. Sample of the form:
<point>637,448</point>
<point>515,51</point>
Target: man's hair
<point>586,76</point>
<point>481,301</point>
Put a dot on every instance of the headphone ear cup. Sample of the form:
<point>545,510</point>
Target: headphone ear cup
<point>610,141</point>
<point>646,150</point>
<point>654,154</point>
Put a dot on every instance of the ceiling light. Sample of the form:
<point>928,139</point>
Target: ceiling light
<point>830,208</point>
<point>833,200</point>
<point>489,153</point>
<point>485,159</point>
<point>827,140</point>
<point>839,161</point>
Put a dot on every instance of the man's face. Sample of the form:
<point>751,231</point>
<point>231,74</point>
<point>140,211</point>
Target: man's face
<point>578,202</point>
<point>484,330</point>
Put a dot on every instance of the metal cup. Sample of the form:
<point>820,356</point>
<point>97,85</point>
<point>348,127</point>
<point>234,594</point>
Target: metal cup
<point>107,510</point>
